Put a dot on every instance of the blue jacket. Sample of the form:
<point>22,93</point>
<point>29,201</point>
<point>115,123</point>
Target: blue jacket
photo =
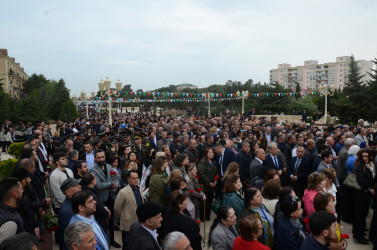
<point>287,236</point>
<point>349,164</point>
<point>64,216</point>
<point>99,245</point>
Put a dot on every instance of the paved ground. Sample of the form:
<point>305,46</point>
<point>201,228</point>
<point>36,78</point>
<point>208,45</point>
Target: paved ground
<point>118,237</point>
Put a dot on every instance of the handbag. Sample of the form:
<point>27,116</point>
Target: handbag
<point>215,206</point>
<point>351,181</point>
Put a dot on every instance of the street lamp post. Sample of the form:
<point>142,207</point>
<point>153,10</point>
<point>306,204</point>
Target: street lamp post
<point>104,89</point>
<point>86,99</point>
<point>244,94</point>
<point>74,100</point>
<point>324,90</point>
<point>209,103</point>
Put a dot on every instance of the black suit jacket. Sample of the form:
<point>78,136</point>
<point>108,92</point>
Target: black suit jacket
<point>268,164</point>
<point>317,160</point>
<point>244,160</point>
<point>303,169</point>
<point>152,144</point>
<point>229,156</point>
<point>364,178</point>
<point>175,221</point>
<point>139,238</point>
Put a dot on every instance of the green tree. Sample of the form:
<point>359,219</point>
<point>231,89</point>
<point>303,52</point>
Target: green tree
<point>370,112</point>
<point>68,111</point>
<point>4,103</point>
<point>60,96</point>
<point>352,103</point>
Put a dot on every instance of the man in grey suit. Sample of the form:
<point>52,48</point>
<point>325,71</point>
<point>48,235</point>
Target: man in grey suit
<point>256,165</point>
<point>327,159</point>
<point>341,169</point>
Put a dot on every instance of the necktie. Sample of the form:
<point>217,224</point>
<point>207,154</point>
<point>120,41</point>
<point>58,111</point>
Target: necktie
<point>297,164</point>
<point>276,162</point>
<point>221,165</point>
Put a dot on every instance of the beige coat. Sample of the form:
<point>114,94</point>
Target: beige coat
<point>125,207</point>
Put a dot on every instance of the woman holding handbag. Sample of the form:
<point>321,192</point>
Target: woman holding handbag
<point>366,178</point>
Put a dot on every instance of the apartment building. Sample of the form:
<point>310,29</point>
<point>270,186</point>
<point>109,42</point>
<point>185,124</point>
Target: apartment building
<point>312,74</point>
<point>12,75</point>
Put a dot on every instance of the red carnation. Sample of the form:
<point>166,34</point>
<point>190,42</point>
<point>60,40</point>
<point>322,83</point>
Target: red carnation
<point>344,236</point>
<point>198,221</point>
<point>306,220</point>
<point>333,198</point>
<point>137,161</point>
<point>53,229</point>
<point>197,177</point>
<point>113,173</point>
<point>199,190</point>
<point>191,191</point>
<point>216,177</point>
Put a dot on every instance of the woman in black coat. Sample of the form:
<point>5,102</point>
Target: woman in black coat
<point>207,171</point>
<point>366,177</point>
<point>177,220</point>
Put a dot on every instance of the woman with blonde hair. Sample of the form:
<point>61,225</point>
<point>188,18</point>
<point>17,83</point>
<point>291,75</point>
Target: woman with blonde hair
<point>233,168</point>
<point>316,183</point>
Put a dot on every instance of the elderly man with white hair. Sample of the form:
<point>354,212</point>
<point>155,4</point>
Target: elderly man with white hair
<point>79,236</point>
<point>176,241</point>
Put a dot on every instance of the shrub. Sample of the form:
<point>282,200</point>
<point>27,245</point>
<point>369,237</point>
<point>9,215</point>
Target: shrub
<point>7,167</point>
<point>15,149</point>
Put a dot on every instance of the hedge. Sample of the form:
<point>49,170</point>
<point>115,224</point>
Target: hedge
<point>15,149</point>
<point>7,167</point>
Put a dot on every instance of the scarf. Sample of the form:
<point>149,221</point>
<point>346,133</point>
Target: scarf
<point>268,238</point>
<point>370,166</point>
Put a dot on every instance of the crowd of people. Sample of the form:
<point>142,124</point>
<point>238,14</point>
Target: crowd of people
<point>271,184</point>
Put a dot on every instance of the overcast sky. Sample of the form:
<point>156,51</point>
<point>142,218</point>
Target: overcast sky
<point>151,44</point>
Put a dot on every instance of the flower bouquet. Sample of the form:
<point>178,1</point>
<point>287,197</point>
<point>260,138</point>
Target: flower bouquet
<point>51,221</point>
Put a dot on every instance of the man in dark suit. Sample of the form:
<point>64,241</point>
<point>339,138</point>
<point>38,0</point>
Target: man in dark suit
<point>317,159</point>
<point>224,156</point>
<point>298,171</point>
<point>192,152</point>
<point>143,235</point>
<point>273,160</point>
<point>244,158</point>
<point>207,144</point>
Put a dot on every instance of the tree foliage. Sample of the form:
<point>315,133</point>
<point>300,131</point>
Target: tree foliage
<point>43,100</point>
<point>353,98</point>
<point>370,113</point>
